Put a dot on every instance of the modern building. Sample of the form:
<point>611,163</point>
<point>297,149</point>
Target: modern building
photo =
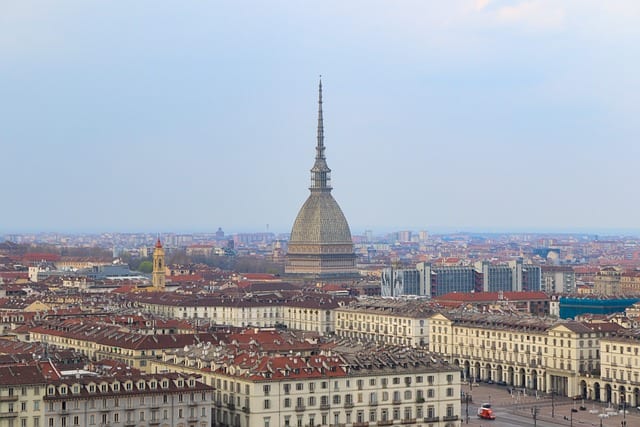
<point>320,246</point>
<point>510,276</point>
<point>558,279</point>
<point>433,280</point>
<point>443,279</point>
<point>401,281</point>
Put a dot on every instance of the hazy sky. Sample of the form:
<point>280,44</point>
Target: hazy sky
<point>190,115</point>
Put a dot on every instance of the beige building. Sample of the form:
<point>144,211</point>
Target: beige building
<point>358,390</point>
<point>21,392</point>
<point>128,400</point>
<point>314,312</point>
<point>529,352</point>
<point>619,379</point>
<point>385,321</point>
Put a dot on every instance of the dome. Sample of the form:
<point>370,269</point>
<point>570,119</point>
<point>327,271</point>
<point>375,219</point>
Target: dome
<point>320,221</point>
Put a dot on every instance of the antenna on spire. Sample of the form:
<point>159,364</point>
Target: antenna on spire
<point>320,173</point>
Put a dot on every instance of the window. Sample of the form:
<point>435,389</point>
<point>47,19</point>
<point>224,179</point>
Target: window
<point>267,389</point>
<point>449,391</point>
<point>287,403</point>
<point>267,404</point>
<point>449,410</point>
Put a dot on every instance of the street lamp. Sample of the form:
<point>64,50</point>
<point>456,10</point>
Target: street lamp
<point>553,404</point>
<point>571,418</point>
<point>623,423</point>
<point>534,414</point>
<point>467,400</point>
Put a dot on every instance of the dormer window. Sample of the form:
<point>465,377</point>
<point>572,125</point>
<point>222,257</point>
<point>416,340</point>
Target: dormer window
<point>128,386</point>
<point>92,388</point>
<point>165,383</point>
<point>51,391</point>
<point>152,385</point>
<point>180,383</point>
<point>63,389</point>
<point>103,388</point>
<point>76,389</point>
<point>141,385</point>
<point>116,386</point>
<point>192,382</point>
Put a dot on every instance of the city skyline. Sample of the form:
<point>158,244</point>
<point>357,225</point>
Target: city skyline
<point>466,116</point>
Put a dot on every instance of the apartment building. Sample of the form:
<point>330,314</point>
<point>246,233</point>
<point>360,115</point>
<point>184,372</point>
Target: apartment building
<point>21,391</point>
<point>432,280</point>
<point>310,312</point>
<point>619,379</point>
<point>529,352</point>
<point>127,399</point>
<point>100,341</point>
<point>385,321</point>
<point>375,387</point>
<point>558,279</point>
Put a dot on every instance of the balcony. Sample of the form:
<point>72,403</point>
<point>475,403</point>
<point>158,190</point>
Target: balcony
<point>365,424</point>
<point>231,406</point>
<point>192,403</point>
<point>385,423</point>
<point>396,401</point>
<point>450,418</point>
<point>373,403</point>
<point>193,419</point>
<point>9,398</point>
<point>408,421</point>
<point>154,422</point>
<point>8,414</point>
<point>431,419</point>
<point>348,405</point>
<point>301,408</point>
<point>324,406</point>
<point>245,410</point>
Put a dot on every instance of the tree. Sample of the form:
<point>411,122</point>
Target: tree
<point>145,267</point>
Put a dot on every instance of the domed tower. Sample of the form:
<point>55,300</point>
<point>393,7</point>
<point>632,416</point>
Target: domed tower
<point>320,246</point>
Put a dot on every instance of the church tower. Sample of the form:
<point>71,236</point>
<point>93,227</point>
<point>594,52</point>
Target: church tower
<point>320,246</point>
<point>158,275</point>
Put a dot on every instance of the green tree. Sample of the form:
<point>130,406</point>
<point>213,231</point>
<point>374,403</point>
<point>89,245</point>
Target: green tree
<point>145,267</point>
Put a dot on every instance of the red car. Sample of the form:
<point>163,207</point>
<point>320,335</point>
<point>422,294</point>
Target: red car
<point>485,412</point>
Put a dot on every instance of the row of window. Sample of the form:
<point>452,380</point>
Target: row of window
<point>372,416</point>
<point>373,382</point>
<point>105,419</point>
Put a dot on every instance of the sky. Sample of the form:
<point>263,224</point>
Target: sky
<point>183,116</point>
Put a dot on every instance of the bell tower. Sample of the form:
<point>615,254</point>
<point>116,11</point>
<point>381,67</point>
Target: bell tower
<point>158,275</point>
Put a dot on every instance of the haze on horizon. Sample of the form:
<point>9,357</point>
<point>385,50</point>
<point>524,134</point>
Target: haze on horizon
<point>461,115</point>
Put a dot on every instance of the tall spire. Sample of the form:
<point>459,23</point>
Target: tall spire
<point>320,172</point>
<point>320,146</point>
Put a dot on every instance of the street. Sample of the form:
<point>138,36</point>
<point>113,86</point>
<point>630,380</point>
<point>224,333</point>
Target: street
<point>517,409</point>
